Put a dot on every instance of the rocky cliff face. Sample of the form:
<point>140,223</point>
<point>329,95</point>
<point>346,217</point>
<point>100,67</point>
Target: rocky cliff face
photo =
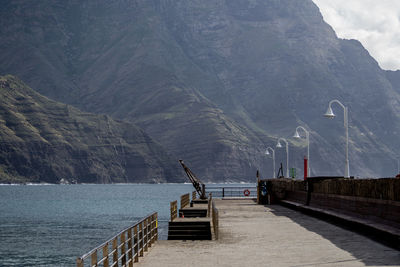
<point>46,141</point>
<point>214,82</point>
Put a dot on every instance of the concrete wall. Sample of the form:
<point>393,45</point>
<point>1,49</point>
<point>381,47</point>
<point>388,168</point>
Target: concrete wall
<point>385,188</point>
<point>373,199</point>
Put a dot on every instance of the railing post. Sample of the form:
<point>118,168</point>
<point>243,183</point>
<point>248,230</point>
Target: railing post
<point>209,205</point>
<point>105,255</point>
<point>123,255</point>
<point>130,248</point>
<point>145,234</point>
<point>94,258</point>
<point>215,220</point>
<point>136,243</point>
<point>115,251</point>
<point>148,232</point>
<point>156,227</point>
<point>150,238</point>
<point>223,191</point>
<point>153,228</point>
<point>79,262</point>
<point>141,239</point>
<point>171,206</point>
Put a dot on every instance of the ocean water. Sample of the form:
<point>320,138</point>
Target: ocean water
<point>51,225</point>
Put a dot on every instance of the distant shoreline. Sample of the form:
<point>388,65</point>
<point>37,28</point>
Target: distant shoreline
<point>36,184</point>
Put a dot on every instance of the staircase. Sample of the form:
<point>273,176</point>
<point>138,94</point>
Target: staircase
<point>192,223</point>
<point>192,212</point>
<point>190,229</point>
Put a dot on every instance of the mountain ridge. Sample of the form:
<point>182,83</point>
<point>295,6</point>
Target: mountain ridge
<point>214,82</point>
<point>46,141</point>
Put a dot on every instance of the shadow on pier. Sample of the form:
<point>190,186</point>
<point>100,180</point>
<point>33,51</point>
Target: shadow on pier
<point>359,246</point>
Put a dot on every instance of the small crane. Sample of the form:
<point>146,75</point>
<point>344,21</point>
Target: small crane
<point>197,184</point>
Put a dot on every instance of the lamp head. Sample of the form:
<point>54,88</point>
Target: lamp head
<point>296,134</point>
<point>279,145</point>
<point>267,152</point>
<point>329,113</point>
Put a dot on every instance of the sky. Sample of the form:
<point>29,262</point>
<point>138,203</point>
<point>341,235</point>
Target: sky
<point>375,23</point>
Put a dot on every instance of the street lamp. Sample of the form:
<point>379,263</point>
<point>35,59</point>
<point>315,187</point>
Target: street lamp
<point>279,145</point>
<point>297,135</point>
<point>329,114</point>
<point>273,158</point>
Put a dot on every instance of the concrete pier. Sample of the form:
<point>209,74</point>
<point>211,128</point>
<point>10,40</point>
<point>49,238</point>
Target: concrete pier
<point>257,235</point>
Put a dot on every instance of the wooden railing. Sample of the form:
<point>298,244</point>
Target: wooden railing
<point>185,200</point>
<point>174,210</point>
<point>124,248</point>
<point>215,220</point>
<point>209,205</point>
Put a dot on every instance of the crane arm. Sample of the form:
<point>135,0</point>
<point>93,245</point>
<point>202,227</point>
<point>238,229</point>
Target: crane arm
<point>197,184</point>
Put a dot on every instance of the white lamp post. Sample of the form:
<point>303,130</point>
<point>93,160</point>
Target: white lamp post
<point>297,135</point>
<point>329,114</point>
<point>287,153</point>
<point>273,159</point>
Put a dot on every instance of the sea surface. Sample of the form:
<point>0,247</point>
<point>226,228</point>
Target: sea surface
<point>51,225</point>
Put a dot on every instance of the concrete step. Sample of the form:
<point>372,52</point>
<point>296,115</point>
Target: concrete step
<point>199,201</point>
<point>193,213</point>
<point>189,237</point>
<point>189,230</point>
<point>191,221</point>
<point>194,227</point>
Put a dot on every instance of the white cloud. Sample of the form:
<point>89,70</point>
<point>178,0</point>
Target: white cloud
<point>375,23</point>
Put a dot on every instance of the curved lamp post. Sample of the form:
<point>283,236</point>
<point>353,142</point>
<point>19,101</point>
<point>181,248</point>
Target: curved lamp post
<point>273,158</point>
<point>329,114</point>
<point>279,145</point>
<point>297,135</point>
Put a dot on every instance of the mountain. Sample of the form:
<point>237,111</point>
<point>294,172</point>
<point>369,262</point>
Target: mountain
<point>394,79</point>
<point>46,141</point>
<point>214,82</point>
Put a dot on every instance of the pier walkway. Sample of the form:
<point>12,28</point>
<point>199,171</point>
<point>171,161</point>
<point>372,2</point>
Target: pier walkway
<point>257,235</point>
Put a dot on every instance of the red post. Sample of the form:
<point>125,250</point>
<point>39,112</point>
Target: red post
<point>305,168</point>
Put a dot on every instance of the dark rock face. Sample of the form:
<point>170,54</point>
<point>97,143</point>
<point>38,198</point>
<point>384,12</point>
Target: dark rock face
<point>46,141</point>
<point>214,82</point>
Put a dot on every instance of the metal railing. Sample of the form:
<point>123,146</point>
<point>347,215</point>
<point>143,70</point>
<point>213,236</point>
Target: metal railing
<point>232,191</point>
<point>126,247</point>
